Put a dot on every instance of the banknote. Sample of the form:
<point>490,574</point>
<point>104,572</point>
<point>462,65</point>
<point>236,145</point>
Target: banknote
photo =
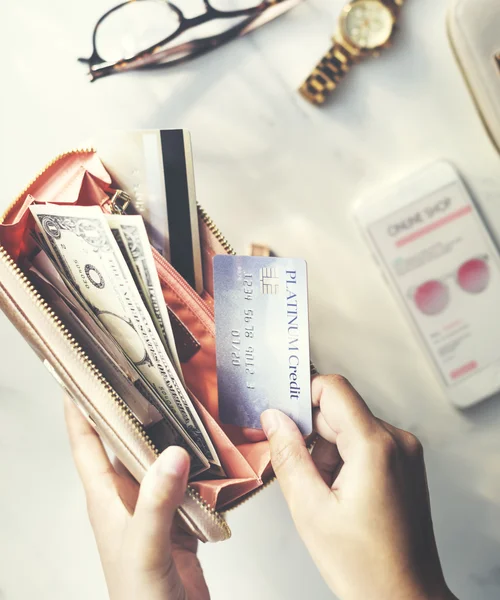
<point>131,232</point>
<point>47,273</point>
<point>155,169</point>
<point>83,246</point>
<point>112,363</point>
<point>87,335</point>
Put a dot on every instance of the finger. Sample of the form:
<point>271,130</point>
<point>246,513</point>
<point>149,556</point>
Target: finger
<point>406,440</point>
<point>343,411</point>
<point>299,478</point>
<point>327,459</point>
<point>161,493</point>
<point>92,462</point>
<point>322,427</point>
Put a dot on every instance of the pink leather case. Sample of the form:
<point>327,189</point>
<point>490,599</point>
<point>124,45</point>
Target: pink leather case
<point>79,178</point>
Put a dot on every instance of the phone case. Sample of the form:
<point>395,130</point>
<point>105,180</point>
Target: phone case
<point>78,177</point>
<point>474,32</point>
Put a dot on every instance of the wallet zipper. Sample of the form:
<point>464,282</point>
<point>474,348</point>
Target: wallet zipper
<point>45,308</point>
<point>215,230</point>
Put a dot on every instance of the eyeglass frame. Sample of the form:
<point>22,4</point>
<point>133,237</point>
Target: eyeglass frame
<point>98,67</point>
<point>412,292</point>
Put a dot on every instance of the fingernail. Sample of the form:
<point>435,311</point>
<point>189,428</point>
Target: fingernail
<point>174,462</point>
<point>271,420</point>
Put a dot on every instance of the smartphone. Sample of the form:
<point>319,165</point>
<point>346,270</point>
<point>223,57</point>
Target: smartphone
<point>439,259</point>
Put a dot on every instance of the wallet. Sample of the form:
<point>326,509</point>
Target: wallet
<point>79,177</point>
<point>474,32</point>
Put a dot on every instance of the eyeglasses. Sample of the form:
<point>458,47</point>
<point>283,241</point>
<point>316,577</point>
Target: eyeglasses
<point>433,296</point>
<point>156,33</point>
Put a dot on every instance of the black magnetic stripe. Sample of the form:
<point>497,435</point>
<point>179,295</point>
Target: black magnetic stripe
<point>176,186</point>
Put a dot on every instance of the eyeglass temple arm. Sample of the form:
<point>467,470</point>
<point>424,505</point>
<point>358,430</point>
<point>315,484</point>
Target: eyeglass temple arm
<point>193,49</point>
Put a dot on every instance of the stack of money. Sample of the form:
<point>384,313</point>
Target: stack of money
<point>99,274</point>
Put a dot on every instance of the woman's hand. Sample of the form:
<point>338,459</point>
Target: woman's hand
<point>144,553</point>
<point>360,502</point>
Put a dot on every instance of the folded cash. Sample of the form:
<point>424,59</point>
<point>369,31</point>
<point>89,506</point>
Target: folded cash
<point>132,238</point>
<point>112,363</point>
<point>81,244</point>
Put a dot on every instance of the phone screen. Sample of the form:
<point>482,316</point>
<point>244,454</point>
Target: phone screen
<point>444,265</point>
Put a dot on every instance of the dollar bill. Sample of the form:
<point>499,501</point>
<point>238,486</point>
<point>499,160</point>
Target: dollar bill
<point>112,363</point>
<point>132,239</point>
<point>85,334</point>
<point>83,246</point>
<point>48,276</point>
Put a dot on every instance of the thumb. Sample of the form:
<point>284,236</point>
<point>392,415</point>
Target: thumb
<point>300,480</point>
<point>161,493</point>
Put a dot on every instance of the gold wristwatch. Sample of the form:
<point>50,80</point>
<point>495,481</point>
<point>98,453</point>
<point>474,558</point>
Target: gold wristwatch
<point>365,27</point>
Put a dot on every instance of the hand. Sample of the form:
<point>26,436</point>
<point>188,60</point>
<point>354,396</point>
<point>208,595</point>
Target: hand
<point>144,553</point>
<point>360,502</point>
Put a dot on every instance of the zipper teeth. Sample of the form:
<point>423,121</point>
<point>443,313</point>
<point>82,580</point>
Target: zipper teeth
<point>42,305</point>
<point>45,308</point>
<point>215,515</point>
<point>55,160</point>
<point>128,414</point>
<point>221,238</point>
<point>215,231</point>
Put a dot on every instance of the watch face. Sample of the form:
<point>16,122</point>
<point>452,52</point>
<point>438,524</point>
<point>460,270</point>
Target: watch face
<point>368,23</point>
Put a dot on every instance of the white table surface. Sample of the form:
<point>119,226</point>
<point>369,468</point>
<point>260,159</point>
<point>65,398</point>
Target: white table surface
<point>273,169</point>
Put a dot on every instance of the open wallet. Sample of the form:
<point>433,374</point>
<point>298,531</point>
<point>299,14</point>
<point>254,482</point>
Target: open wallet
<point>79,178</point>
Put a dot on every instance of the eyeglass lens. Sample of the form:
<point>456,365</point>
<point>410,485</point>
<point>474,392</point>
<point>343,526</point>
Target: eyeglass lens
<point>137,26</point>
<point>433,296</point>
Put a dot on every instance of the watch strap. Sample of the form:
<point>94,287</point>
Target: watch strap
<point>327,74</point>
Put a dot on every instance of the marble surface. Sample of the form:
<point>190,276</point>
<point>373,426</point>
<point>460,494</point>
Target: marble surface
<point>272,169</point>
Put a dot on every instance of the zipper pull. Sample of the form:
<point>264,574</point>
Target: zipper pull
<point>120,202</point>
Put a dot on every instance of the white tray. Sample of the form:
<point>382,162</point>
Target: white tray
<point>474,32</point>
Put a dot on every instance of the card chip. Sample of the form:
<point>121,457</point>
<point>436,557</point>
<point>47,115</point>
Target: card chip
<point>269,280</point>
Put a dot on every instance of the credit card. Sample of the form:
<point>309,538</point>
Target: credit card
<point>262,339</point>
<point>134,160</point>
<point>184,233</point>
<point>155,168</point>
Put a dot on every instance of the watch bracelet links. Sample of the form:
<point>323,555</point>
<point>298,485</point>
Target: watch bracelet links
<point>327,74</point>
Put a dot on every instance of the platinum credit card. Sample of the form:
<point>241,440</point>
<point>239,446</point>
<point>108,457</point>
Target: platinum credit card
<point>262,339</point>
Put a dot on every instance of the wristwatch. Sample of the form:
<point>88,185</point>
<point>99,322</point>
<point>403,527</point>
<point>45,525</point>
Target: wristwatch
<point>365,27</point>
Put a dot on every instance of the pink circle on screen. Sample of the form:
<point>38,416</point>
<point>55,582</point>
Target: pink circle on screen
<point>474,275</point>
<point>431,297</point>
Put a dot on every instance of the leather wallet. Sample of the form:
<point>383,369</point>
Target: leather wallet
<point>79,177</point>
